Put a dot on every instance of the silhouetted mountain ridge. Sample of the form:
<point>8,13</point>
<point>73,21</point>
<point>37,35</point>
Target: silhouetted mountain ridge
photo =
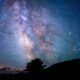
<point>66,68</point>
<point>58,71</point>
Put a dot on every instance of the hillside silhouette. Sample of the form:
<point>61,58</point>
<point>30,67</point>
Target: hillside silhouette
<point>64,70</point>
<point>36,71</point>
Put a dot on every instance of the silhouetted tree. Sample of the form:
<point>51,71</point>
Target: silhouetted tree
<point>35,66</point>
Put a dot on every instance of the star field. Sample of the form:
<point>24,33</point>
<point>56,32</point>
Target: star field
<point>44,29</point>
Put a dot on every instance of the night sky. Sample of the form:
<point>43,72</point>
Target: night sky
<point>45,29</point>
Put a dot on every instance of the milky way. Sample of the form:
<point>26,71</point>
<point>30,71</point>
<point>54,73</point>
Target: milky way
<point>30,31</point>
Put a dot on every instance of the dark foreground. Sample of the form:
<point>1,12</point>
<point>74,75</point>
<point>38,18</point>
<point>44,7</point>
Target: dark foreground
<point>59,71</point>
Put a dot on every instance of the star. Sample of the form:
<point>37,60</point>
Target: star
<point>69,33</point>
